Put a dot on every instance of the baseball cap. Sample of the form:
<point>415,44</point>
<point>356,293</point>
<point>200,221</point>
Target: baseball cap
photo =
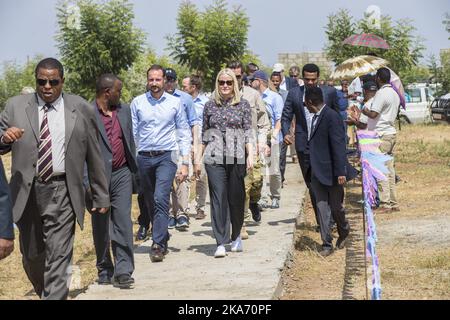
<point>171,74</point>
<point>370,85</point>
<point>278,67</point>
<point>259,74</point>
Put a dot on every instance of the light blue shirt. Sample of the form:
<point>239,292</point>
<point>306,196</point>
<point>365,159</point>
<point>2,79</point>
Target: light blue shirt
<point>199,105</point>
<point>160,124</point>
<point>188,105</point>
<point>274,105</point>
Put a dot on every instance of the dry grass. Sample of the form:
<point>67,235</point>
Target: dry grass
<point>419,269</point>
<point>415,264</point>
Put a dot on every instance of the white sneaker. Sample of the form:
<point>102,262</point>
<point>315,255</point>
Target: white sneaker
<point>236,245</point>
<point>220,252</point>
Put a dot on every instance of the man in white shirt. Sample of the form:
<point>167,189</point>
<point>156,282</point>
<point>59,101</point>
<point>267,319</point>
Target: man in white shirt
<point>384,110</point>
<point>193,85</point>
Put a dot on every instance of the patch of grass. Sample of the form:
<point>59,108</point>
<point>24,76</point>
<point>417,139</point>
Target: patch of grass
<point>438,260</point>
<point>443,149</point>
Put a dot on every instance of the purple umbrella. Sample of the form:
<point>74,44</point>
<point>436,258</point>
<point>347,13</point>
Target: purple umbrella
<point>367,40</point>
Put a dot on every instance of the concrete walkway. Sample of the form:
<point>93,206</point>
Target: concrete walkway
<point>191,272</point>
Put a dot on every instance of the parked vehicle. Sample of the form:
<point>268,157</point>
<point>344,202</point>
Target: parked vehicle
<point>440,109</point>
<point>418,104</point>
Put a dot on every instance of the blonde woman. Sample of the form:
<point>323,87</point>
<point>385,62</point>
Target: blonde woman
<point>227,153</point>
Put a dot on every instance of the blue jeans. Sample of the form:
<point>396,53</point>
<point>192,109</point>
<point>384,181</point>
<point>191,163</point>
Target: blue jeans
<point>156,175</point>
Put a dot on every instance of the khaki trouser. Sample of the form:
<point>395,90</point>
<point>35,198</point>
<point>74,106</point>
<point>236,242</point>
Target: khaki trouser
<point>273,171</point>
<point>253,184</point>
<point>387,192</point>
<point>180,195</point>
<point>201,187</point>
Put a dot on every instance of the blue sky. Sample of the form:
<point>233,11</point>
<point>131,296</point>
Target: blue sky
<point>28,27</point>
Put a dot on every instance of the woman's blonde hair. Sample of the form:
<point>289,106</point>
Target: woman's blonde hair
<point>217,96</point>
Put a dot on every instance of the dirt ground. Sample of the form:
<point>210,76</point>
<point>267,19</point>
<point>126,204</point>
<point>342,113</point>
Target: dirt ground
<point>14,284</point>
<point>413,245</point>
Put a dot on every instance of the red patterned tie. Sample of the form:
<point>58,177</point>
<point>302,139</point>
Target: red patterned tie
<point>45,165</point>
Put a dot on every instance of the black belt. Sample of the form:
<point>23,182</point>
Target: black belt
<point>61,177</point>
<point>152,153</point>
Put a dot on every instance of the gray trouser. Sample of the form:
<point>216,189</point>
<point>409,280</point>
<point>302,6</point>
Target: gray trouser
<point>47,230</point>
<point>115,229</point>
<point>329,204</point>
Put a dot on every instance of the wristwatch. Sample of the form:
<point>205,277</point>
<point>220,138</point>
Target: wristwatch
<point>185,163</point>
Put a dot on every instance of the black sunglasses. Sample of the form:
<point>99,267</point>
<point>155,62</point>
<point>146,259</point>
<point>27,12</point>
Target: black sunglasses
<point>43,82</point>
<point>228,82</point>
<point>238,76</point>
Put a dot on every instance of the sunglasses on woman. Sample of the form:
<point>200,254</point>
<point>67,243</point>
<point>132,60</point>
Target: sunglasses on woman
<point>223,82</point>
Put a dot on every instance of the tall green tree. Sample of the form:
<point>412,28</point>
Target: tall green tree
<point>446,22</point>
<point>207,40</point>
<point>406,48</point>
<point>444,74</point>
<point>15,77</point>
<point>339,26</point>
<point>95,38</point>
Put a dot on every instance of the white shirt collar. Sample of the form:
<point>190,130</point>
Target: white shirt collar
<point>54,104</point>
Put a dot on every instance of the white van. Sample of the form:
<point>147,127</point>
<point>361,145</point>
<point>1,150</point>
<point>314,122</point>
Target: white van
<point>418,98</point>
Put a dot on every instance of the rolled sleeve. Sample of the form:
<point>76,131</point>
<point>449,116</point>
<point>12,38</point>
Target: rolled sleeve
<point>278,107</point>
<point>184,136</point>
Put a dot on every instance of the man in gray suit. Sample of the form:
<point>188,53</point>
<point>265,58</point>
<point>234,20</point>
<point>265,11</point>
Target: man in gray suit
<point>115,229</point>
<point>51,135</point>
<point>6,221</point>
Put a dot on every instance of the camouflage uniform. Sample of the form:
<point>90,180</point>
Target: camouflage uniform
<point>262,128</point>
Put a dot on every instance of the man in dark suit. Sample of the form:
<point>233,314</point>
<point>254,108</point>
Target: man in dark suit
<point>6,219</point>
<point>294,105</point>
<point>329,168</point>
<point>115,229</point>
<point>51,135</point>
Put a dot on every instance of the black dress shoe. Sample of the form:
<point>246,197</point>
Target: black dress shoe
<point>142,233</point>
<point>104,280</point>
<point>157,253</point>
<point>123,281</point>
<point>341,241</point>
<point>326,252</point>
<point>256,214</point>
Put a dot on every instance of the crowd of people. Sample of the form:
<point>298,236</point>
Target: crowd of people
<point>69,155</point>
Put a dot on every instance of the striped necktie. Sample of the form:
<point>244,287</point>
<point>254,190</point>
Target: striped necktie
<point>45,165</point>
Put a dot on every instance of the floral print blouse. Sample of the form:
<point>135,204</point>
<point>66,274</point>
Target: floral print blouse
<point>226,129</point>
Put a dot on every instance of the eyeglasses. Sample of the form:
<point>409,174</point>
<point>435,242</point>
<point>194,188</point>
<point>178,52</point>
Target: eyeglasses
<point>294,76</point>
<point>238,76</point>
<point>228,83</point>
<point>43,82</point>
